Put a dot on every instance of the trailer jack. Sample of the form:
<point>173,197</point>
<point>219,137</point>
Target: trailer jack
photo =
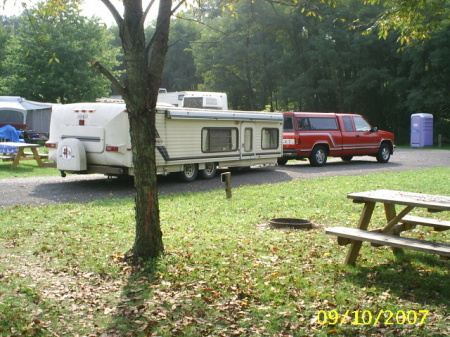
<point>63,174</point>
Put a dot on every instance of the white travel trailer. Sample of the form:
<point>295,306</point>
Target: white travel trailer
<point>94,138</point>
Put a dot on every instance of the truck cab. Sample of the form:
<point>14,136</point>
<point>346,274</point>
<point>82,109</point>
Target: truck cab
<point>317,136</point>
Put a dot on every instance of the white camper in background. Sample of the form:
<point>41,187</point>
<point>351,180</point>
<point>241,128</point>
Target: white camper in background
<point>94,138</point>
<point>195,99</point>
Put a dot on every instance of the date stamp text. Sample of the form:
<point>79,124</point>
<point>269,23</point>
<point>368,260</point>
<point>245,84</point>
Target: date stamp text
<point>373,318</point>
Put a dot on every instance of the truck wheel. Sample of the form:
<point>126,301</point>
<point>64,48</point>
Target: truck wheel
<point>318,156</point>
<point>209,171</point>
<point>347,158</point>
<point>189,173</point>
<point>384,153</point>
<point>282,161</point>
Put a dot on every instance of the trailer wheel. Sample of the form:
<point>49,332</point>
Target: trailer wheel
<point>189,173</point>
<point>282,161</point>
<point>318,156</point>
<point>209,171</point>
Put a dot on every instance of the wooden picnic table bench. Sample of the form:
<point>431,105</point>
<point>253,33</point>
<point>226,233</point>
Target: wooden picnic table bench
<point>21,154</point>
<point>389,235</point>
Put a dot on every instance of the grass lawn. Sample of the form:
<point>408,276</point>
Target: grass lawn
<point>225,272</point>
<point>26,169</point>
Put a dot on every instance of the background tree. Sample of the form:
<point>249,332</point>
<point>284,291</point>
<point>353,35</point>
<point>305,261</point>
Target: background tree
<point>238,54</point>
<point>7,30</point>
<point>49,58</point>
<point>413,20</point>
<point>180,72</point>
<point>423,81</point>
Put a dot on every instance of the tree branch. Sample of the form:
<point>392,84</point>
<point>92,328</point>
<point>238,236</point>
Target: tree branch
<point>117,17</point>
<point>147,10</point>
<point>201,23</point>
<point>115,82</point>
<point>149,45</point>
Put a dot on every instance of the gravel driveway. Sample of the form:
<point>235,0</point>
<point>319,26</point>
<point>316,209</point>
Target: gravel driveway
<point>55,190</point>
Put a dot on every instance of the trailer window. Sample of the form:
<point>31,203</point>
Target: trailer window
<point>219,139</point>
<point>270,138</point>
<point>248,139</point>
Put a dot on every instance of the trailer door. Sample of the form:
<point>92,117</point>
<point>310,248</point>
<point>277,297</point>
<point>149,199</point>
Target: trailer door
<point>247,136</point>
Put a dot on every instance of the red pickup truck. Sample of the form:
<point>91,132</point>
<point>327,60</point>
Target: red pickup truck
<point>318,135</point>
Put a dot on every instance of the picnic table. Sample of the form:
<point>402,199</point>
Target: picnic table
<point>15,152</point>
<point>389,235</point>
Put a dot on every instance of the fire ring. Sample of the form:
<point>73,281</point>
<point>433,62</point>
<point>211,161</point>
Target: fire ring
<point>290,223</point>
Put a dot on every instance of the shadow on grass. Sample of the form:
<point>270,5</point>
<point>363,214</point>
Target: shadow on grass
<point>136,293</point>
<point>412,276</point>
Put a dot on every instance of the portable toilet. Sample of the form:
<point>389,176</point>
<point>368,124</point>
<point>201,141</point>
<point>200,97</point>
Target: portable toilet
<point>421,130</point>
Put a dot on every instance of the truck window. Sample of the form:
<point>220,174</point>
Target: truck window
<point>361,124</point>
<point>303,123</point>
<point>323,123</point>
<point>288,123</point>
<point>348,125</point>
<point>270,138</point>
<point>219,139</point>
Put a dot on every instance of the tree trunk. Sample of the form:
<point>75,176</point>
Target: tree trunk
<point>142,82</point>
<point>148,240</point>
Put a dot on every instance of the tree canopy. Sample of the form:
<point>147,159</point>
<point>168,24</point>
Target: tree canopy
<point>49,58</point>
<point>413,20</point>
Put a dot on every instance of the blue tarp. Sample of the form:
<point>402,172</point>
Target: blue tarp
<point>9,133</point>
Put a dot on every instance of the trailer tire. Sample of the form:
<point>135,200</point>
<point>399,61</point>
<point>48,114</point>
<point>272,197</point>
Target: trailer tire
<point>189,173</point>
<point>282,161</point>
<point>209,172</point>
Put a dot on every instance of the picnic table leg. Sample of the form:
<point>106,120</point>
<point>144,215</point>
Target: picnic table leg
<point>364,221</point>
<point>17,157</point>
<point>37,157</point>
<point>389,210</point>
<point>392,219</point>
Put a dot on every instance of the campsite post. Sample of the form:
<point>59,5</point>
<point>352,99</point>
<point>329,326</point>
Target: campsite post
<point>226,178</point>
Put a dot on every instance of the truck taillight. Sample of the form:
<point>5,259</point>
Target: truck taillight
<point>51,145</point>
<point>111,148</point>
